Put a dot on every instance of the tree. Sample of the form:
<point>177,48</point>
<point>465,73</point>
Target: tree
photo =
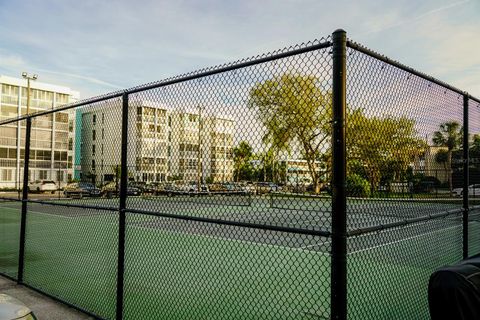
<point>449,136</point>
<point>294,109</point>
<point>384,146</point>
<point>442,157</point>
<point>242,154</point>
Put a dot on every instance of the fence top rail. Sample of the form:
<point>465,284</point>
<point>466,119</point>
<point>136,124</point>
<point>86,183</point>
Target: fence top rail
<point>358,47</point>
<point>323,43</point>
<point>403,223</point>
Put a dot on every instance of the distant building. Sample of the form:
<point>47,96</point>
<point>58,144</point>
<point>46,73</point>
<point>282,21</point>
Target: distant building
<point>427,165</point>
<point>164,144</point>
<point>297,171</point>
<point>52,136</point>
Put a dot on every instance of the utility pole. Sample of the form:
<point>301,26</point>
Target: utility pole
<point>25,76</point>
<point>199,166</point>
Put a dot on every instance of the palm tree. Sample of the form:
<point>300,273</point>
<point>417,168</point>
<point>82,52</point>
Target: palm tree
<point>449,136</point>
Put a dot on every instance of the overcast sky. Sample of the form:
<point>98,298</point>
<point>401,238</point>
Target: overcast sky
<point>100,46</point>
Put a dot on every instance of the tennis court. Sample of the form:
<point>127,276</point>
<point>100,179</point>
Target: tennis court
<point>183,269</point>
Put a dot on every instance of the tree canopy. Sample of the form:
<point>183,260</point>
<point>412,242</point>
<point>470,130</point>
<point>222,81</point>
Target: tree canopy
<point>449,135</point>
<point>294,109</point>
<point>383,145</point>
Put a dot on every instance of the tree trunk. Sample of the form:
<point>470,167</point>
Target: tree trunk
<point>449,160</point>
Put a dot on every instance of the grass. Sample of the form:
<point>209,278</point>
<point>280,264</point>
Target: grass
<point>180,275</point>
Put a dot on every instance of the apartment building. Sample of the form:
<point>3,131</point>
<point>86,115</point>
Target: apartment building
<point>297,171</point>
<point>426,163</point>
<point>164,143</point>
<point>52,136</point>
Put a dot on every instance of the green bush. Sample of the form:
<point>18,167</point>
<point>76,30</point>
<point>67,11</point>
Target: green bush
<point>357,186</point>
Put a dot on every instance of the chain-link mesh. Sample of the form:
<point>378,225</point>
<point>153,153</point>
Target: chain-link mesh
<point>237,147</point>
<point>405,158</point>
<point>71,244</point>
<point>71,253</point>
<point>474,177</point>
<point>228,197</point>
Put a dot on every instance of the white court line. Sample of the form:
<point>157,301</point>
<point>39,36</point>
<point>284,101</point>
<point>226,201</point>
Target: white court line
<point>326,243</point>
<point>398,241</point>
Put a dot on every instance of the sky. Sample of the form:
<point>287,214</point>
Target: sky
<point>96,46</point>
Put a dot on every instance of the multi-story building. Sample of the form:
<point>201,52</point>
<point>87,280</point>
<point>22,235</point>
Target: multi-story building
<point>52,135</point>
<point>164,144</point>
<point>426,164</point>
<point>297,171</point>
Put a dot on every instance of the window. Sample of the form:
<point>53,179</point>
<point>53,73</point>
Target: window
<point>93,149</point>
<point>60,175</point>
<point>103,118</point>
<point>42,174</point>
<point>61,117</point>
<point>103,133</point>
<point>101,150</point>
<point>7,174</point>
<point>93,165</point>
<point>94,120</point>
<point>93,135</point>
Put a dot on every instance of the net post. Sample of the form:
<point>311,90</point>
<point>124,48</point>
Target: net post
<point>23,222</point>
<point>121,211</point>
<point>466,175</point>
<point>339,221</point>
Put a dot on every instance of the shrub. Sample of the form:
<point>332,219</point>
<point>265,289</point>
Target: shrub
<point>357,186</point>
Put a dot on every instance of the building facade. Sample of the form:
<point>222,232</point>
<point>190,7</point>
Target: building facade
<point>164,144</point>
<point>426,164</point>
<point>52,136</point>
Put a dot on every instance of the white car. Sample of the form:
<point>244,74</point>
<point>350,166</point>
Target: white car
<point>473,191</point>
<point>42,186</point>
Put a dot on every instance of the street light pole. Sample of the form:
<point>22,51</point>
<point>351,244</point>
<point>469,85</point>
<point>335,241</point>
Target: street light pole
<point>26,76</point>
<point>199,166</point>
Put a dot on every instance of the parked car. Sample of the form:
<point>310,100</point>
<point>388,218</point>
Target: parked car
<point>13,309</point>
<point>473,191</point>
<point>112,189</point>
<point>42,186</point>
<point>250,188</point>
<point>193,188</point>
<point>217,187</point>
<point>81,189</point>
<point>266,187</point>
<point>142,186</point>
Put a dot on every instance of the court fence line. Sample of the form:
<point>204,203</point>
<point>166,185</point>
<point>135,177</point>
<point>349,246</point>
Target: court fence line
<point>342,67</point>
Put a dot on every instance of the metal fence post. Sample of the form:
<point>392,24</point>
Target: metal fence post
<point>466,175</point>
<point>122,206</point>
<point>339,215</point>
<point>23,222</point>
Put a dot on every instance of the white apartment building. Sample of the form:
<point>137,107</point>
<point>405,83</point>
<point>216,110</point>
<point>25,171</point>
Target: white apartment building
<point>52,136</point>
<point>164,143</point>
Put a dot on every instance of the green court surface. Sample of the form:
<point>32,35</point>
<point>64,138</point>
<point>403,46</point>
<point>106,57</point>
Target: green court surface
<point>9,241</point>
<point>176,273</point>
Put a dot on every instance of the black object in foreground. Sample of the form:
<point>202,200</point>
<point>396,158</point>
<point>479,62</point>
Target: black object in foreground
<point>454,291</point>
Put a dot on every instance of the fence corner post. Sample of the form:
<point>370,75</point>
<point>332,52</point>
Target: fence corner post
<point>23,221</point>
<point>466,175</point>
<point>121,211</point>
<point>339,215</point>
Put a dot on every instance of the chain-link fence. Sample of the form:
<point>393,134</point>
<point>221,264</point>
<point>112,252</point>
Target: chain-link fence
<point>294,185</point>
